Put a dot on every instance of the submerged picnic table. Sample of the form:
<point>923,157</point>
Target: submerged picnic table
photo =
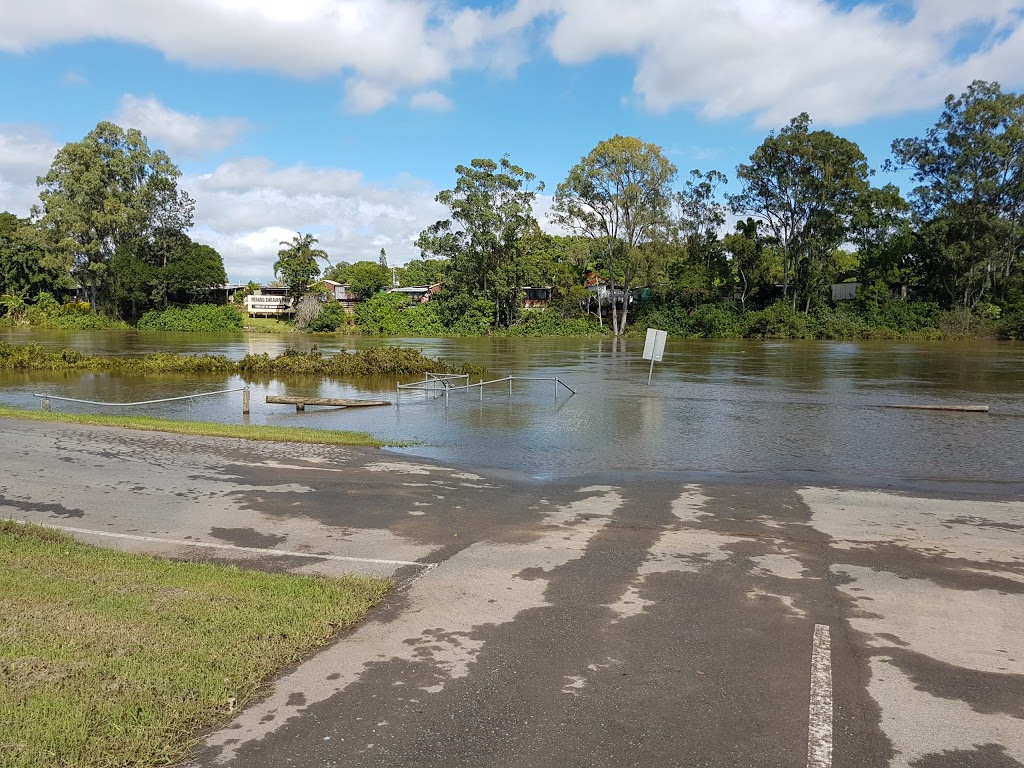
<point>300,403</point>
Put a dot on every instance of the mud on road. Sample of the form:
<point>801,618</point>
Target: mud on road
<point>623,620</point>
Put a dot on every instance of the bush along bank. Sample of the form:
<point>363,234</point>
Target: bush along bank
<point>381,361</point>
<point>895,320</point>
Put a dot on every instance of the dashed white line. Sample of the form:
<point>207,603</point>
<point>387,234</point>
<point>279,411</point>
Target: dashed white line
<point>234,548</point>
<point>819,725</point>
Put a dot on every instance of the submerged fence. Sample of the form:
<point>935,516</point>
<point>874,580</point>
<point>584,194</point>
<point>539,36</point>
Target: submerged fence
<point>44,400</point>
<point>437,383</point>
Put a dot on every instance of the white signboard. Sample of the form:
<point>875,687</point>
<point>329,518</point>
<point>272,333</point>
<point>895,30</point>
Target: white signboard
<point>654,346</point>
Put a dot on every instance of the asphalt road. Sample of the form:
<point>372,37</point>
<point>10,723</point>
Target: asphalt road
<point>608,621</point>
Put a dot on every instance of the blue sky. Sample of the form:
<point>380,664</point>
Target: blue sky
<point>345,117</point>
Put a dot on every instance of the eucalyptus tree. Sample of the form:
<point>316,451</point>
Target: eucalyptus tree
<point>753,256</point>
<point>969,205</point>
<point>620,194</point>
<point>805,185</point>
<point>103,191</point>
<point>701,216</point>
<point>297,265</point>
<point>484,239</point>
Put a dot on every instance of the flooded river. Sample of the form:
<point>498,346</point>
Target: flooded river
<point>785,410</point>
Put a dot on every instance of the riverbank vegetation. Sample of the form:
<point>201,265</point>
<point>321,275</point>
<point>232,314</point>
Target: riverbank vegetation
<point>818,249</point>
<point>380,361</point>
<point>205,428</point>
<point>115,659</point>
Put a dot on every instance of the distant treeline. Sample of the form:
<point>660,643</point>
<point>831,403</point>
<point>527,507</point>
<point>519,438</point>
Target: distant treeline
<point>941,259</point>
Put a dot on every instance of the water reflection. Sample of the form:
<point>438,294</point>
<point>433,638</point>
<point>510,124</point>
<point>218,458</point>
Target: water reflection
<point>734,406</point>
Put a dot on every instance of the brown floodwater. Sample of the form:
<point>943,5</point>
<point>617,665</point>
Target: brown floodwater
<point>793,410</point>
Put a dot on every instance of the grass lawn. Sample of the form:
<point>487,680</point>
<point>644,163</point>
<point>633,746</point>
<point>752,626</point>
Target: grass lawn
<point>204,428</point>
<point>115,659</point>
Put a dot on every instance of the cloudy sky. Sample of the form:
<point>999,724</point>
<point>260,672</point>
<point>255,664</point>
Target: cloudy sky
<point>345,117</point>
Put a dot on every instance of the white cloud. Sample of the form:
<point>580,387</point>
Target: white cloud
<point>245,208</point>
<point>25,153</point>
<point>363,95</point>
<point>776,58</point>
<point>433,101</point>
<point>766,58</point>
<point>178,133</point>
<point>384,46</point>
<point>74,78</point>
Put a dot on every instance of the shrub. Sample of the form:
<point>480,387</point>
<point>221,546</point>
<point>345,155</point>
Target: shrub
<point>549,322</point>
<point>196,318</point>
<point>778,321</point>
<point>964,324</point>
<point>715,321</point>
<point>332,316</point>
<point>839,322</point>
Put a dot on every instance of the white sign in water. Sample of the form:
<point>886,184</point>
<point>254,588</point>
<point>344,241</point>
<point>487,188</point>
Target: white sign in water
<point>654,348</point>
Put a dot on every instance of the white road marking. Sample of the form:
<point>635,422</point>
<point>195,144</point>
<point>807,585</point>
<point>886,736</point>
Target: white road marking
<point>234,548</point>
<point>819,726</point>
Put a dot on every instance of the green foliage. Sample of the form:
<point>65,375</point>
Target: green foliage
<point>619,194</point>
<point>380,361</point>
<point>1011,325</point>
<point>969,207</point>
<point>484,240</point>
<point>422,271</point>
<point>552,323</point>
<point>712,321</point>
<point>332,317</point>
<point>297,265</point>
<point>778,321</point>
<point>806,186</point>
<point>196,318</point>
<point>840,322</point>
<point>104,191</point>
<point>26,266</point>
<point>964,324</point>
<point>364,278</point>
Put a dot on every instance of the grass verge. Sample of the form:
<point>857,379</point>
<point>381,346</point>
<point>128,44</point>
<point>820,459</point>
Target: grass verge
<point>205,428</point>
<point>115,659</point>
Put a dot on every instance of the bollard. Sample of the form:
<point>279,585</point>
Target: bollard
<point>44,404</point>
<point>245,401</point>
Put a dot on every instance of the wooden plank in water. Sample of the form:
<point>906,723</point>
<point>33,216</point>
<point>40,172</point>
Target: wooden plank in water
<point>960,408</point>
<point>300,403</point>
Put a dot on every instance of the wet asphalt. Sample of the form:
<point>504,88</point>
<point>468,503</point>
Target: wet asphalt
<point>613,620</point>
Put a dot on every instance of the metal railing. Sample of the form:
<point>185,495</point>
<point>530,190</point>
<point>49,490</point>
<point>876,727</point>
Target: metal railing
<point>44,402</point>
<point>435,383</point>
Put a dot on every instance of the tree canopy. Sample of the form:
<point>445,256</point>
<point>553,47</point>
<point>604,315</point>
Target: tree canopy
<point>103,191</point>
<point>969,205</point>
<point>297,265</point>
<point>491,216</point>
<point>619,193</point>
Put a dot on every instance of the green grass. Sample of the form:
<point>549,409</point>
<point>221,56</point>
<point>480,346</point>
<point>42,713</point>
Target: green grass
<point>205,428</point>
<point>269,325</point>
<point>113,659</point>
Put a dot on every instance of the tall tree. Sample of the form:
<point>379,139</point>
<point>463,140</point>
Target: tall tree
<point>491,218</point>
<point>620,194</point>
<point>701,262</point>
<point>103,191</point>
<point>969,206</point>
<point>805,185</point>
<point>753,257</point>
<point>297,265</point>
